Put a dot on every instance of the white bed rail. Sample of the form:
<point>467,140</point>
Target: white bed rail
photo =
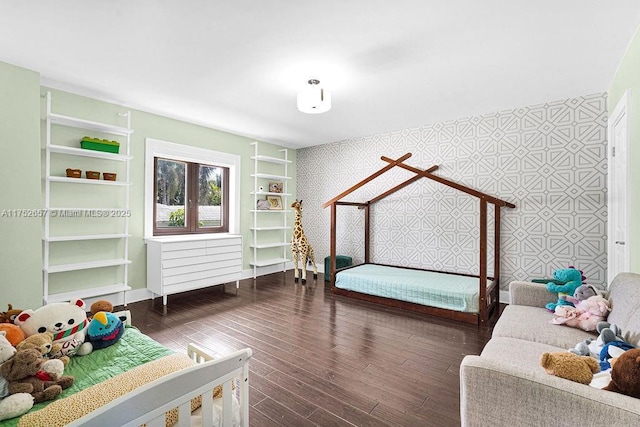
<point>149,403</point>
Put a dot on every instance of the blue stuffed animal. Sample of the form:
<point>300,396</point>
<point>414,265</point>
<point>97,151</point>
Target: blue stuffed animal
<point>104,330</point>
<point>572,279</point>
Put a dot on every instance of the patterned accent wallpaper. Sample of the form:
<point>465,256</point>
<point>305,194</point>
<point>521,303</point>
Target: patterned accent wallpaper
<point>548,159</point>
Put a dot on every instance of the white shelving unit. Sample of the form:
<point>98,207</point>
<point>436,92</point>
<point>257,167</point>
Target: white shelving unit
<point>269,226</point>
<point>55,184</point>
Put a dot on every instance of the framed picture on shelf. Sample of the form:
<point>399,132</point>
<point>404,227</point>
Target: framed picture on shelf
<point>275,202</point>
<point>275,187</point>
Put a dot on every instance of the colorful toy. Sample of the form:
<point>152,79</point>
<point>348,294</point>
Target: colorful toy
<point>104,330</point>
<point>21,372</point>
<point>569,366</point>
<point>585,315</point>
<point>572,279</point>
<point>625,374</point>
<point>582,293</point>
<point>13,333</point>
<point>300,246</point>
<point>9,315</point>
<point>66,321</point>
<point>101,305</point>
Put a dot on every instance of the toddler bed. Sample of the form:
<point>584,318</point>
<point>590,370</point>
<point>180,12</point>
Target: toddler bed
<point>450,295</point>
<point>473,298</point>
<point>431,288</point>
<point>137,380</point>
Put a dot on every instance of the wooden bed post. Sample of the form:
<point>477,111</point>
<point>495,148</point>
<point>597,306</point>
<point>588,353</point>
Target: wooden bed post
<point>483,261</point>
<point>332,247</point>
<point>496,253</point>
<point>367,233</point>
<point>479,318</point>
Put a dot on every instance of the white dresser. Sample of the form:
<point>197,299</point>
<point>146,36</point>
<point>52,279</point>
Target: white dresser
<point>183,263</point>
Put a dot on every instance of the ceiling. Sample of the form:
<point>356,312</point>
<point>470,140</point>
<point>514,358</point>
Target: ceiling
<point>237,65</point>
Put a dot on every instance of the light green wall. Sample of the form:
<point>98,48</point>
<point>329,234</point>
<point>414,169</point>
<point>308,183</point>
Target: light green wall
<point>628,77</point>
<point>22,105</point>
<point>21,237</point>
<point>147,125</point>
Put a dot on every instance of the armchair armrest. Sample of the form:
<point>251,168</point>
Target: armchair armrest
<point>493,393</point>
<point>531,294</point>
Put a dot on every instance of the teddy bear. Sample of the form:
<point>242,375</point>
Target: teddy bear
<point>625,374</point>
<point>570,366</point>
<point>572,279</point>
<point>101,305</point>
<point>585,315</point>
<point>43,342</point>
<point>21,372</point>
<point>66,321</point>
<point>16,404</point>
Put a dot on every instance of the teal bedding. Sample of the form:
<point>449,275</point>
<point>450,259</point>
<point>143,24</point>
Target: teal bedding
<point>133,349</point>
<point>448,291</point>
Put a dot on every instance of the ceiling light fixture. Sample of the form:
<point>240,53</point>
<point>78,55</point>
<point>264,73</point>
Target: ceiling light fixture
<point>313,99</point>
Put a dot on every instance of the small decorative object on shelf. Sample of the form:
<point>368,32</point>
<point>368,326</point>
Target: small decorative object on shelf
<point>263,205</point>
<point>276,187</point>
<point>92,175</point>
<point>109,176</point>
<point>97,144</point>
<point>74,173</point>
<point>275,202</point>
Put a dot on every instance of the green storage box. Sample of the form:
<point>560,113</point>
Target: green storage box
<point>100,145</point>
<point>341,261</point>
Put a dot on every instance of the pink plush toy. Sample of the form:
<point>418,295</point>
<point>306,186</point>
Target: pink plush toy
<point>585,315</point>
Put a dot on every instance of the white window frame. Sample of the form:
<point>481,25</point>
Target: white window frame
<point>170,150</point>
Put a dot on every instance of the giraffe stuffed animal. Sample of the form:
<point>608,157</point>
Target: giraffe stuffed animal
<point>300,246</point>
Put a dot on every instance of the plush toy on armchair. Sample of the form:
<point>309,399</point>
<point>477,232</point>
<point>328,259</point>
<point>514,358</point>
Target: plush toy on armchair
<point>573,279</point>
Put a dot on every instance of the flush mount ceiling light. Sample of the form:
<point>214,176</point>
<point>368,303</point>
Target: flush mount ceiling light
<point>313,99</point>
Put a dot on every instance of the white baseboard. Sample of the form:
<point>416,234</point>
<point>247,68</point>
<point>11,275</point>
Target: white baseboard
<point>261,271</point>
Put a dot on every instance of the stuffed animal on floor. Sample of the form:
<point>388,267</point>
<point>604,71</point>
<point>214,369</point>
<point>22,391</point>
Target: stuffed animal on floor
<point>9,315</point>
<point>570,366</point>
<point>43,342</point>
<point>66,321</point>
<point>105,329</point>
<point>572,279</point>
<point>13,333</point>
<point>21,372</point>
<point>585,315</point>
<point>625,374</point>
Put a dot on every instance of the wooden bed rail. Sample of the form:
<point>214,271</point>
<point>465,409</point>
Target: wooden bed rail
<point>484,199</point>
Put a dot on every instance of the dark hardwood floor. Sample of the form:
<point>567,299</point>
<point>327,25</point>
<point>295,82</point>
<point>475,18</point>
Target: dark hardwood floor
<point>322,359</point>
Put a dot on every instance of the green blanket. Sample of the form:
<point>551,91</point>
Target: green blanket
<point>133,349</point>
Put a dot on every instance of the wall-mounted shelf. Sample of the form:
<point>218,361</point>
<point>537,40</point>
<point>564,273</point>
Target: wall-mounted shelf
<point>56,186</point>
<point>59,119</point>
<point>269,229</point>
<point>87,181</point>
<point>81,152</point>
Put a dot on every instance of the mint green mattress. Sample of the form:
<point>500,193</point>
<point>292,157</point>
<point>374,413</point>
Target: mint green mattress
<point>133,349</point>
<point>448,291</point>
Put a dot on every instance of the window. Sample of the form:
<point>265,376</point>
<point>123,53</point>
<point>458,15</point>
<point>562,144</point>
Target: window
<point>190,190</point>
<point>190,197</point>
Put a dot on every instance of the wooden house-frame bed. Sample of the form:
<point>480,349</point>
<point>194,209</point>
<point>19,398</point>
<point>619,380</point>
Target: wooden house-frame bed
<point>487,288</point>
